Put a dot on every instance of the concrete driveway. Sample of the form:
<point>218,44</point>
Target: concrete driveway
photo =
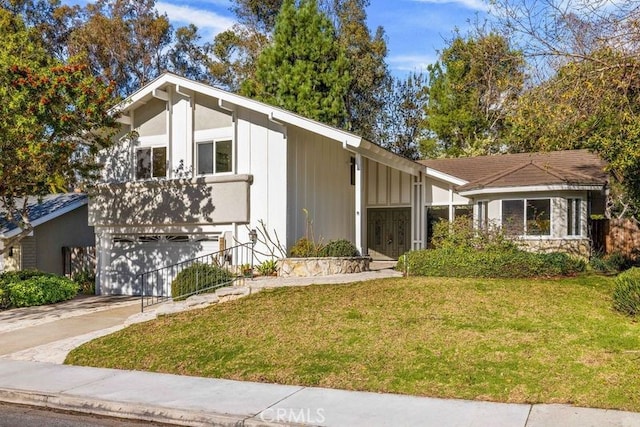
<point>27,328</point>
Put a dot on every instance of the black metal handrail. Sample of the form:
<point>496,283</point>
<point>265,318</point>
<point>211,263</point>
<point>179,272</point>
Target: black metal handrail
<point>232,264</point>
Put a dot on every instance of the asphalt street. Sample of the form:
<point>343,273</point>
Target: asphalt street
<point>28,416</point>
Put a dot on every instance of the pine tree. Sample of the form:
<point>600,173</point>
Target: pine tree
<point>305,69</point>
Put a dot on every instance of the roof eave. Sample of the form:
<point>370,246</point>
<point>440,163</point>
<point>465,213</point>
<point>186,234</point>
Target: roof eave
<point>349,141</point>
<point>530,189</point>
<point>434,173</point>
<point>53,215</point>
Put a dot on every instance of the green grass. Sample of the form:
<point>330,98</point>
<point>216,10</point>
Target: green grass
<point>501,340</point>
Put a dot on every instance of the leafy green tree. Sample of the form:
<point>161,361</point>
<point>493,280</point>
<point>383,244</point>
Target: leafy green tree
<point>401,126</point>
<point>236,51</point>
<point>235,55</point>
<point>259,15</point>
<point>586,106</point>
<point>305,69</point>
<point>52,20</point>
<point>366,53</point>
<point>188,56</point>
<point>122,40</point>
<point>53,120</point>
<point>585,84</point>
<point>471,88</point>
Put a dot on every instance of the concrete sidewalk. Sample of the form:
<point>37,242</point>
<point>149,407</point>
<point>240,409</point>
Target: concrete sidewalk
<point>194,401</point>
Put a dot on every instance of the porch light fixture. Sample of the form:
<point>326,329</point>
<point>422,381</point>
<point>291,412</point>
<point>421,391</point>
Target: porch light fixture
<point>253,236</point>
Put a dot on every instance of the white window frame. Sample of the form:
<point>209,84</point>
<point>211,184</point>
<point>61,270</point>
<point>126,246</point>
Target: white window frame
<point>150,147</point>
<point>577,214</point>
<point>482,215</point>
<point>524,201</point>
<point>214,141</point>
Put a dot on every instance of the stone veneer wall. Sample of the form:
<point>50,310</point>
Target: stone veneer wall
<point>576,247</point>
<point>311,267</point>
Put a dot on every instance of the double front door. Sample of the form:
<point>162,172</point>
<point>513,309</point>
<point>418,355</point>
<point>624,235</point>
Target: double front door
<point>388,232</point>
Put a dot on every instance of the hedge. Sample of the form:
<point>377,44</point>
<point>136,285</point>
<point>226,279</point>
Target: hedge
<point>505,263</point>
<point>29,288</point>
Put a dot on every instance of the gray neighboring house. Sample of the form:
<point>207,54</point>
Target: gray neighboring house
<point>59,220</point>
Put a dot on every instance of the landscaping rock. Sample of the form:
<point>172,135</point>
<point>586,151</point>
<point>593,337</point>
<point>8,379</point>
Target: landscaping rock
<point>323,266</point>
<point>202,299</point>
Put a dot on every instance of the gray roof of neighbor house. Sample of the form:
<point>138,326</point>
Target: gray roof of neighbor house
<point>50,207</point>
<point>570,167</point>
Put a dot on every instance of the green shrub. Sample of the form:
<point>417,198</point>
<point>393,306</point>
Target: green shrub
<point>461,234</point>
<point>305,248</point>
<point>506,263</point>
<point>268,267</point>
<point>609,263</point>
<point>339,248</point>
<point>30,288</point>
<point>462,251</point>
<point>86,281</point>
<point>626,295</point>
<point>198,278</point>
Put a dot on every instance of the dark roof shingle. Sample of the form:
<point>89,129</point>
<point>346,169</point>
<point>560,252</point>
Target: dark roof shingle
<point>579,167</point>
<point>50,204</point>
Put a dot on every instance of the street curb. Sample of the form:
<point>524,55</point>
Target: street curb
<point>124,410</point>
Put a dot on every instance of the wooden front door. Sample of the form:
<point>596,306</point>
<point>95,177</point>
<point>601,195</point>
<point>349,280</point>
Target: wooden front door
<point>388,232</point>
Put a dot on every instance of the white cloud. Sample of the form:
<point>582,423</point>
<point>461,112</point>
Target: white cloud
<point>481,5</point>
<point>208,22</point>
<point>411,62</point>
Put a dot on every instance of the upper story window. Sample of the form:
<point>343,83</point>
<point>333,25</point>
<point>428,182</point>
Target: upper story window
<point>151,162</point>
<point>530,217</point>
<point>574,217</point>
<point>215,157</point>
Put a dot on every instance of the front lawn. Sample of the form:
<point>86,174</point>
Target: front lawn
<point>502,340</point>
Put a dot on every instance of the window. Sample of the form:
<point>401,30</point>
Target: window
<point>463,211</point>
<point>215,157</point>
<point>527,217</point>
<point>513,217</point>
<point>353,170</point>
<point>483,215</point>
<point>574,217</point>
<point>435,214</point>
<point>538,217</point>
<point>151,162</point>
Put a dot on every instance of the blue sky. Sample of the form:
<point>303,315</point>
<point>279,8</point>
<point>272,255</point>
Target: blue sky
<point>415,29</point>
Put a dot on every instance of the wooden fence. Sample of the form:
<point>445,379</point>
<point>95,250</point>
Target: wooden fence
<point>78,260</point>
<point>616,235</point>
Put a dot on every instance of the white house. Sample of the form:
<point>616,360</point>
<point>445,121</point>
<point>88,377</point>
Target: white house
<point>205,164</point>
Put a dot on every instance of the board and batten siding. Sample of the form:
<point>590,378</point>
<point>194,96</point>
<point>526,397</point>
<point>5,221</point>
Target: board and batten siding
<point>387,187</point>
<point>319,181</point>
<point>262,152</point>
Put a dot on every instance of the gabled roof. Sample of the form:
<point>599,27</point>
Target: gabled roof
<point>51,207</point>
<point>228,101</point>
<point>570,169</point>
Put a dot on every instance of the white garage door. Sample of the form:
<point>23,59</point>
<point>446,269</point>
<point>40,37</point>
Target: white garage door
<point>132,255</point>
